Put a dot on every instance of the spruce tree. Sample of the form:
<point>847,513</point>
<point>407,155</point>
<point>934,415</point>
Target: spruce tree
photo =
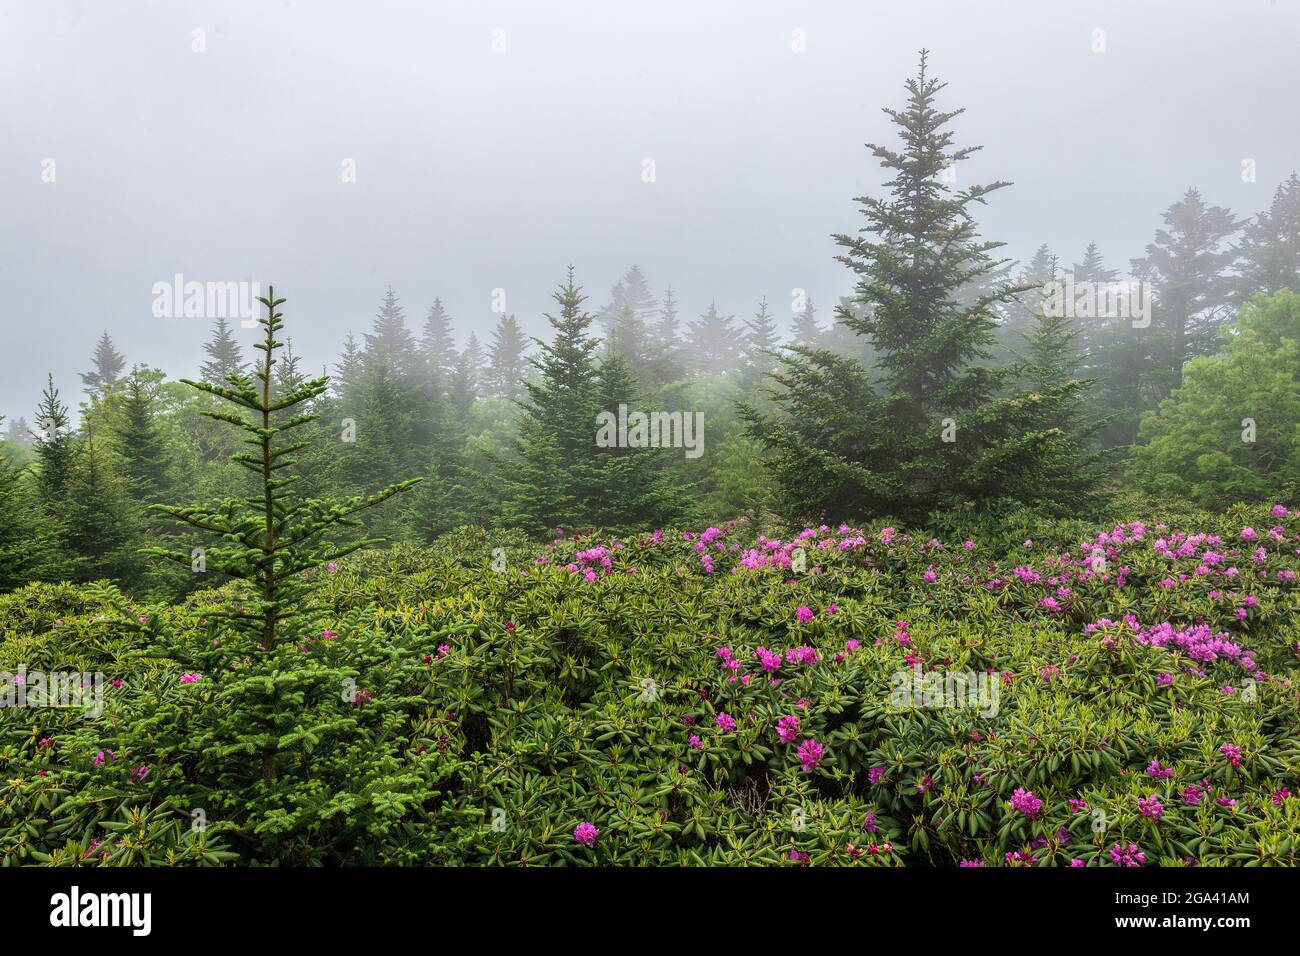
<point>55,445</point>
<point>29,549</point>
<point>664,345</point>
<point>467,378</point>
<point>630,300</point>
<point>628,338</point>
<point>19,432</point>
<point>1187,265</point>
<point>551,481</point>
<point>712,344</point>
<point>760,341</point>
<point>804,329</point>
<point>633,482</point>
<point>918,249</point>
<point>1129,361</point>
<point>1093,267</point>
<point>348,369</point>
<point>1067,467</point>
<point>139,440</point>
<point>506,362</point>
<point>1024,312</point>
<point>1270,245</point>
<point>102,525</point>
<point>270,539</point>
<point>939,432</point>
<point>225,357</point>
<point>108,364</point>
<point>1094,331</point>
<point>438,346</point>
<point>389,342</point>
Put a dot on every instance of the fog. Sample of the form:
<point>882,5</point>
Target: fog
<point>495,143</point>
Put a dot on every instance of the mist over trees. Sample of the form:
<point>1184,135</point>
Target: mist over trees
<point>945,377</point>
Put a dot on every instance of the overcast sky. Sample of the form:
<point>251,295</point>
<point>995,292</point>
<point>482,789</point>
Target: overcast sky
<point>478,168</point>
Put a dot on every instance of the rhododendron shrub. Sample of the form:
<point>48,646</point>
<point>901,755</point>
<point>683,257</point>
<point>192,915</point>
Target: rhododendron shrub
<point>447,709</point>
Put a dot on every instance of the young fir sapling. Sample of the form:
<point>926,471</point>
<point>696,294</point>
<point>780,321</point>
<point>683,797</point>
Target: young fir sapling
<point>275,535</point>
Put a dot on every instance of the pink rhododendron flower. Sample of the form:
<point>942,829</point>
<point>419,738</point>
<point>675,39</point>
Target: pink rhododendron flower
<point>1025,801</point>
<point>585,834</point>
<point>787,728</point>
<point>810,754</point>
<point>1151,807</point>
<point>1155,770</point>
<point>1131,856</point>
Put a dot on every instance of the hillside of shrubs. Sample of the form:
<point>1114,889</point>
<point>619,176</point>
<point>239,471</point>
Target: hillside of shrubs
<point>964,579</point>
<point>717,696</point>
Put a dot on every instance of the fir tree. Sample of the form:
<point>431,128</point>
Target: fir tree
<point>506,362</point>
<point>225,357</point>
<point>712,343</point>
<point>630,300</point>
<point>552,483</point>
<point>348,370</point>
<point>1129,361</point>
<point>467,378</point>
<point>269,540</point>
<point>667,328</point>
<point>108,364</point>
<point>139,441</point>
<point>1270,245</point>
<point>437,345</point>
<point>633,482</point>
<point>101,524</point>
<point>1187,264</point>
<point>1095,332</point>
<point>1024,313</point>
<point>1067,468</point>
<point>760,341</point>
<point>54,445</point>
<point>389,342</point>
<point>19,432</point>
<point>28,547</point>
<point>939,433</point>
<point>665,345</point>
<point>628,338</point>
<point>804,329</point>
<point>1093,267</point>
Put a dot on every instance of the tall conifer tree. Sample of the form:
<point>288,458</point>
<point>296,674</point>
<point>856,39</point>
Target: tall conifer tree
<point>225,357</point>
<point>108,364</point>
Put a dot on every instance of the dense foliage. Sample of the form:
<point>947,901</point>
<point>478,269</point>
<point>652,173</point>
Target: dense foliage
<point>1020,647</point>
<point>938,383</point>
<point>679,697</point>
